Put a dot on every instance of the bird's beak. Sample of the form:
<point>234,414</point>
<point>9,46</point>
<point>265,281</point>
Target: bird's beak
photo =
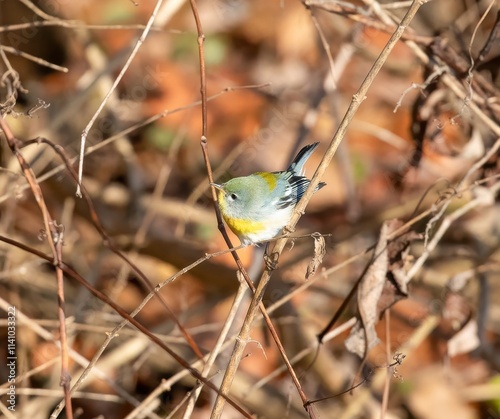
<point>217,186</point>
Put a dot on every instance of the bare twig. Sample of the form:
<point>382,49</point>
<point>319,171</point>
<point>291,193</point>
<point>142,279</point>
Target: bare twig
<point>483,198</point>
<point>33,58</point>
<point>132,55</point>
<point>357,14</point>
<point>71,24</point>
<point>218,345</point>
<point>54,236</point>
<point>361,398</point>
<point>385,394</point>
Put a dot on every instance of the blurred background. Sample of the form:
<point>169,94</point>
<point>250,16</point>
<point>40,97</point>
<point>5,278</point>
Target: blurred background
<point>280,75</point>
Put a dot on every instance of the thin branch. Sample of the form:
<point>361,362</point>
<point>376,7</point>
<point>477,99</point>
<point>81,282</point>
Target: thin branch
<point>238,299</point>
<point>36,10</point>
<point>387,382</point>
<point>54,236</point>
<point>33,58</point>
<point>357,14</point>
<point>73,24</point>
<point>132,55</point>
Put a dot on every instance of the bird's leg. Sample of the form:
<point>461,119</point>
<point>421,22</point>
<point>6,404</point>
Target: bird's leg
<point>271,260</point>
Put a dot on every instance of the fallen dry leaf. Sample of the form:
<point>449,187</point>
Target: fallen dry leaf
<point>381,287</point>
<point>319,253</point>
<point>363,335</point>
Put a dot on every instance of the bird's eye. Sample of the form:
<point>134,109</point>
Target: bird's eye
<point>233,196</point>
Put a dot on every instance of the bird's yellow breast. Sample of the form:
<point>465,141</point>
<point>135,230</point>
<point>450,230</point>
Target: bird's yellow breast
<point>241,226</point>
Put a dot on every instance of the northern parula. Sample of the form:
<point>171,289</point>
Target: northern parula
<point>258,206</point>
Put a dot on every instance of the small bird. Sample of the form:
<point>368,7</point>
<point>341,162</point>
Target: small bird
<point>258,206</point>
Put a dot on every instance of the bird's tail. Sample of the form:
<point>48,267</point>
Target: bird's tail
<point>297,165</point>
